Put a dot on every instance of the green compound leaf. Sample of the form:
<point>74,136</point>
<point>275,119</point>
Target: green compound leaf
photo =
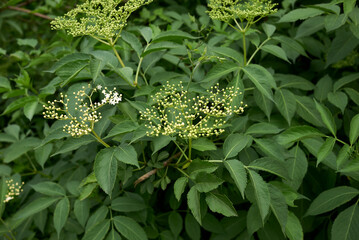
<point>263,128</point>
<point>234,144</point>
<point>130,203</point>
<point>300,14</point>
<point>327,117</point>
<point>113,235</point>
<point>49,188</point>
<point>298,133</point>
<point>345,226</point>
<point>270,165</point>
<point>106,169</point>
<point>220,204</point>
<point>203,144</point>
<point>82,211</point>
<point>34,207</point>
<point>71,144</point>
<point>278,205</point>
<point>127,154</point>
<point>238,173</point>
<point>276,51</point>
<point>99,231</point>
<point>194,203</point>
<point>61,214</point>
<point>172,35</point>
<point>325,149</point>
<point>331,199</point>
<point>261,193</point>
<point>286,104</point>
<point>261,78</point>
<point>175,223</point>
<point>354,129</point>
<point>206,182</point>
<point>294,229</point>
<point>19,103</point>
<point>129,228</point>
<point>220,70</point>
<point>179,187</point>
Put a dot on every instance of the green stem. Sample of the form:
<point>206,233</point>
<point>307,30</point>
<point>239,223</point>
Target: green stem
<point>189,149</point>
<point>244,49</point>
<point>138,72</point>
<point>99,139</point>
<point>32,164</point>
<point>118,56</point>
<point>256,51</point>
<point>215,161</point>
<point>100,40</point>
<point>184,154</point>
<point>183,172</point>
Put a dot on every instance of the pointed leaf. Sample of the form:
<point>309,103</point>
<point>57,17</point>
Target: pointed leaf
<point>238,173</point>
<point>106,169</point>
<point>270,165</point>
<point>297,166</point>
<point>203,144</point>
<point>278,205</point>
<point>261,193</point>
<point>220,70</point>
<point>327,118</point>
<point>345,226</point>
<point>61,213</point>
<point>325,149</point>
<point>82,211</point>
<point>354,129</point>
<point>179,187</point>
<point>234,144</point>
<point>298,133</point>
<point>276,51</point>
<point>129,228</point>
<point>206,182</point>
<point>193,201</point>
<point>130,203</point>
<point>127,154</point>
<point>261,78</point>
<point>34,207</point>
<point>286,103</point>
<point>331,199</point>
<point>293,229</point>
<point>220,204</point>
<point>98,232</point>
<point>338,99</point>
<point>49,188</point>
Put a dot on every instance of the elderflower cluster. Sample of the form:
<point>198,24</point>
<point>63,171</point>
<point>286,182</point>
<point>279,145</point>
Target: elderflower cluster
<point>179,112</point>
<point>87,113</point>
<point>226,10</point>
<point>98,18</point>
<point>14,189</point>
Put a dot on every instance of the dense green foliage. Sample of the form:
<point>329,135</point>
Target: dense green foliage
<point>169,119</point>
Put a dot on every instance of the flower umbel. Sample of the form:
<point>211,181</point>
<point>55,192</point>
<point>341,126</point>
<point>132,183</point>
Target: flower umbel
<point>249,10</point>
<point>103,19</point>
<point>87,113</point>
<point>179,112</point>
<point>14,189</point>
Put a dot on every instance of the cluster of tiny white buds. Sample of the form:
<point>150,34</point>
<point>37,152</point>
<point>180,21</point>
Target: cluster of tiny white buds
<point>87,113</point>
<point>14,189</point>
<point>176,111</point>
